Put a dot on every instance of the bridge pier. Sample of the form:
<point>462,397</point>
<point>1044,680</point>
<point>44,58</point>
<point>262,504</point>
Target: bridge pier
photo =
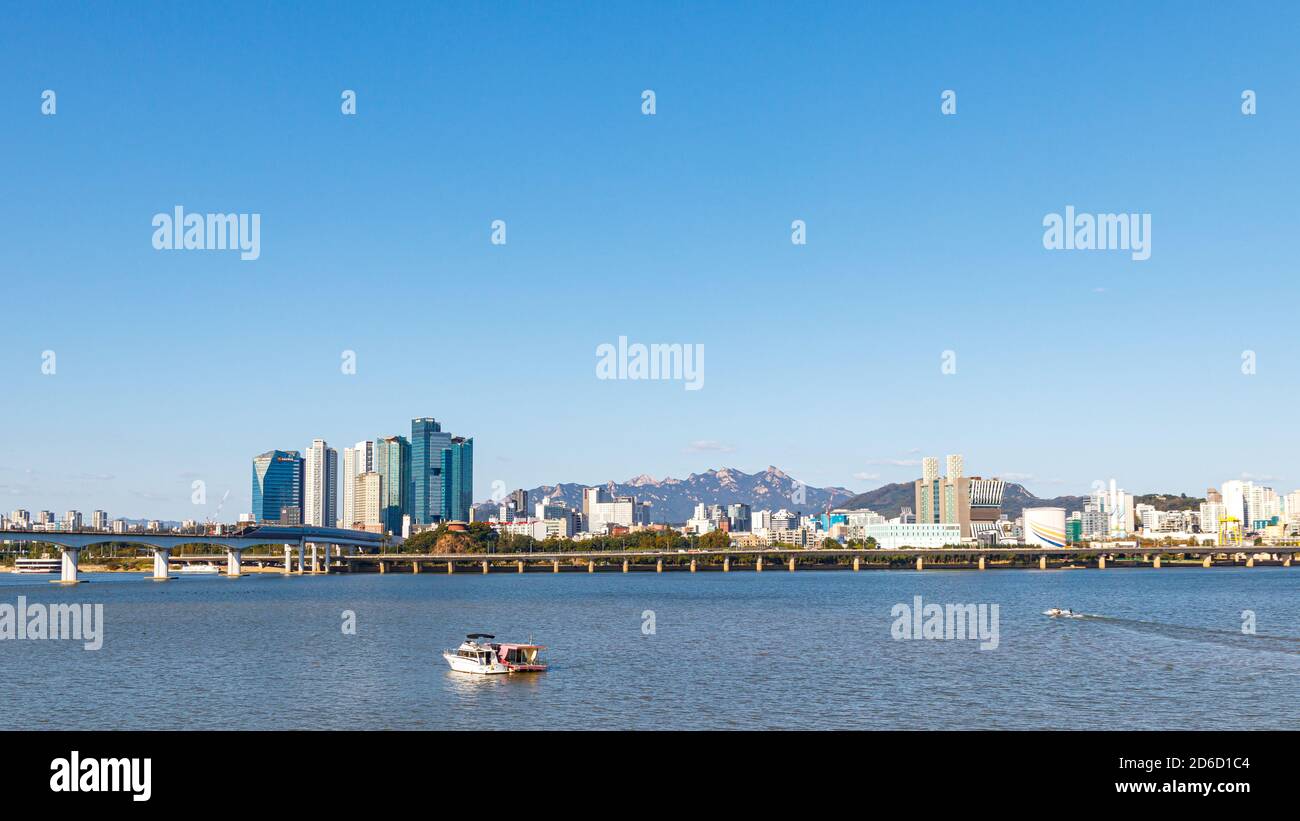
<point>520,564</point>
<point>792,564</point>
<point>288,559</point>
<point>315,560</point>
<point>233,558</point>
<point>1155,562</point>
<point>485,566</point>
<point>302,559</point>
<point>1287,561</point>
<point>758,566</point>
<point>857,563</point>
<point>160,557</point>
<point>981,562</point>
<point>625,566</point>
<point>726,564</point>
<point>1101,562</point>
<point>1208,560</point>
<point>1250,561</point>
<point>659,566</point>
<point>415,566</point>
<point>1042,562</point>
<point>692,565</point>
<point>449,568</point>
<point>920,563</point>
<point>383,567</point>
<point>555,565</point>
<point>68,567</point>
<point>591,566</point>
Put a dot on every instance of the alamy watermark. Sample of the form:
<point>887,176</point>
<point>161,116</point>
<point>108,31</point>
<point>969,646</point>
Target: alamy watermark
<point>67,622</point>
<point>208,232</point>
<point>946,621</point>
<point>683,362</point>
<point>1098,232</point>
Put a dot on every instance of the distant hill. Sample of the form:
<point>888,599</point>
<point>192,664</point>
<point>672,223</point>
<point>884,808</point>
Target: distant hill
<point>673,500</point>
<point>887,500</point>
<point>1167,501</point>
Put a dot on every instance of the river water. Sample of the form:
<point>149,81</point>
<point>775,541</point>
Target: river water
<point>810,649</point>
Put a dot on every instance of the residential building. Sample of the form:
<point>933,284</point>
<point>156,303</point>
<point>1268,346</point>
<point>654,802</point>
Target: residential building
<point>393,464</point>
<point>320,485</point>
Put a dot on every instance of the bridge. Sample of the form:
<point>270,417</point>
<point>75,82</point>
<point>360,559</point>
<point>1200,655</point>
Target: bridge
<point>71,543</point>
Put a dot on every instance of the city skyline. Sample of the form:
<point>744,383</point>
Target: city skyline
<point>924,237</point>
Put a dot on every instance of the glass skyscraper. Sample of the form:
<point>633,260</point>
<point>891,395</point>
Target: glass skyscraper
<point>393,464</point>
<point>429,444</point>
<point>277,485</point>
<point>458,468</point>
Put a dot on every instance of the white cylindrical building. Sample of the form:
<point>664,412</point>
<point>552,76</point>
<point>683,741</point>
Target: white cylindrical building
<point>1044,526</point>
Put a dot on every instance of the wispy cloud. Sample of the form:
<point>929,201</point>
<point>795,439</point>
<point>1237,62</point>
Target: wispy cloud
<point>1261,477</point>
<point>708,445</point>
<point>866,477</point>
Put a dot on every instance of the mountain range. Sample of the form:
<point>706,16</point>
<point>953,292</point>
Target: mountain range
<point>673,500</point>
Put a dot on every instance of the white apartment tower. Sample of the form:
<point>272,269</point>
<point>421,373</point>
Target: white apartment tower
<point>320,485</point>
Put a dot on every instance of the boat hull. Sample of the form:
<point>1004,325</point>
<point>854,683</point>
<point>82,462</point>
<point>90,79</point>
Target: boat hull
<point>460,664</point>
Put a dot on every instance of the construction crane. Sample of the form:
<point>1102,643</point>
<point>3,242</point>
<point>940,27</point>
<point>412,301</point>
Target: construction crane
<point>1229,531</point>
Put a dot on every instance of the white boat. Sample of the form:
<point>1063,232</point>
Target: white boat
<point>37,565</point>
<point>488,659</point>
<point>198,570</point>
<point>1056,611</point>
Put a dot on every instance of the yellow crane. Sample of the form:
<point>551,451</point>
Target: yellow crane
<point>1229,530</point>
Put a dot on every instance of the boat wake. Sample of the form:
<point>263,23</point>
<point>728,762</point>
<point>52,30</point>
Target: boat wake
<point>1226,638</point>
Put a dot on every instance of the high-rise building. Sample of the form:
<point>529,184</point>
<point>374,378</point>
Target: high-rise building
<point>365,456</point>
<point>519,501</point>
<point>458,480</point>
<point>72,520</point>
<point>739,518</point>
<point>99,520</point>
<point>600,510</point>
<point>368,493</point>
<point>393,464</point>
<point>277,484</point>
<point>320,485</point>
<point>943,499</point>
<point>429,441</point>
<point>348,488</point>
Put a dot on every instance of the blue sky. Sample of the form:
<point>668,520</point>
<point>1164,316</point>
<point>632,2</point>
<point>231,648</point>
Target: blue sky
<point>924,235</point>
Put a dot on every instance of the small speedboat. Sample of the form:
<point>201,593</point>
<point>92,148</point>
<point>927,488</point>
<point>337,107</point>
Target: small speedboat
<point>1056,611</point>
<point>489,658</point>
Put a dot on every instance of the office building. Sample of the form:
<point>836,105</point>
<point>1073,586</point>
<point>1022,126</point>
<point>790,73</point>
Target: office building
<point>428,482</point>
<point>892,536</point>
<point>458,480</point>
<point>277,484</point>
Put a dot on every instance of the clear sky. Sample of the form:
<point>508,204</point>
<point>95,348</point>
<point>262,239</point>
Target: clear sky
<point>924,235</point>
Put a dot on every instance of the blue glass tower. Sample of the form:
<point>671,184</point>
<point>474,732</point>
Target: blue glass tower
<point>277,485</point>
<point>429,443</point>
<point>458,489</point>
